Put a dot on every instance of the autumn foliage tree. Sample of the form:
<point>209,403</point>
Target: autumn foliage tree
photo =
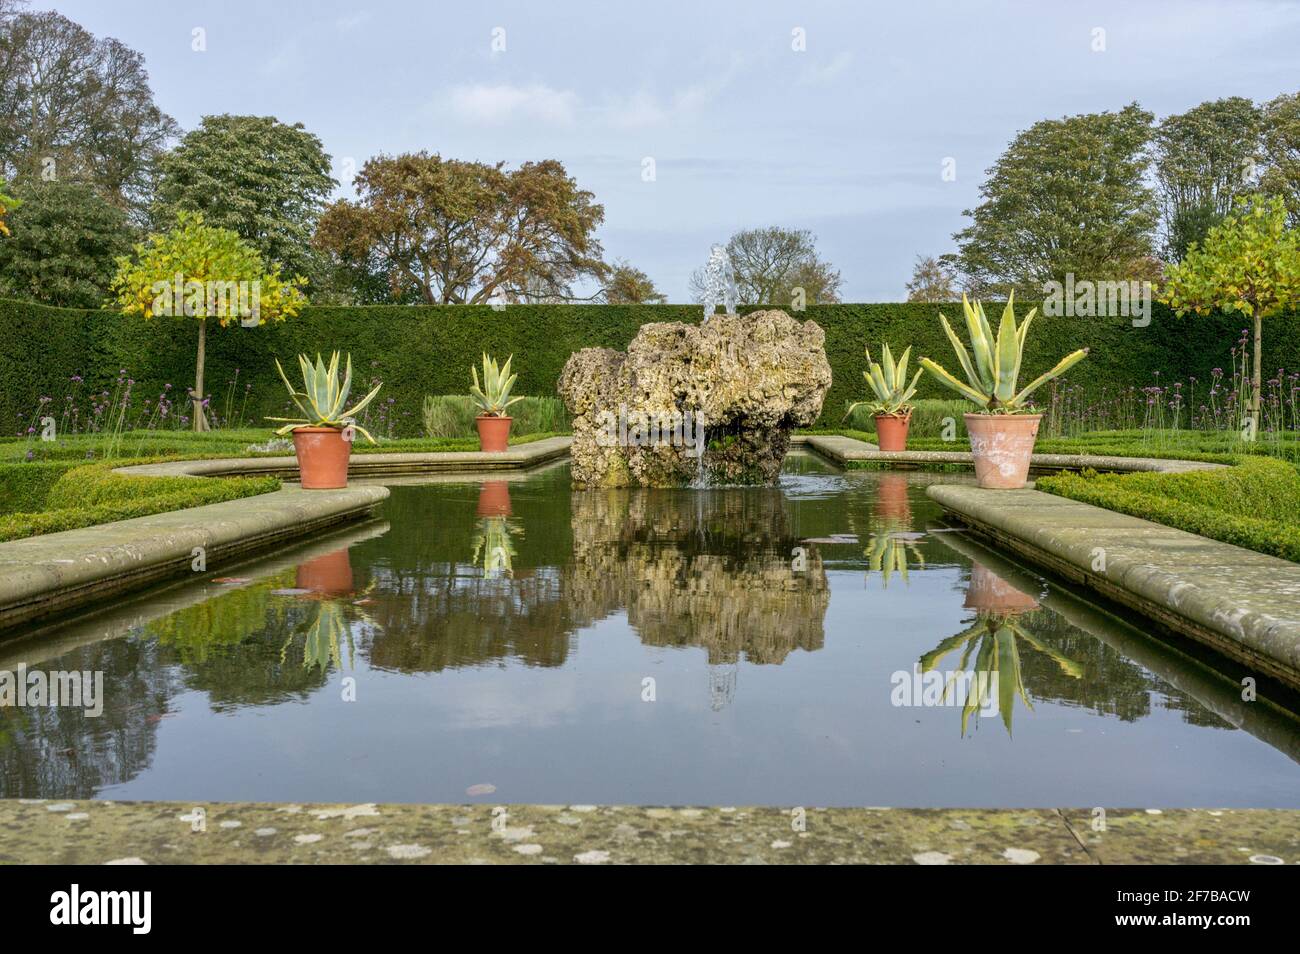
<point>444,231</point>
<point>200,272</point>
<point>1249,265</point>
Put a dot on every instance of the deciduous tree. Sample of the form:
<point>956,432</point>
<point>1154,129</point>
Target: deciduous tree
<point>777,266</point>
<point>200,272</point>
<point>1204,159</point>
<point>265,180</point>
<point>74,107</point>
<point>1248,264</point>
<point>630,286</point>
<point>66,238</point>
<point>1067,195</point>
<point>455,232</point>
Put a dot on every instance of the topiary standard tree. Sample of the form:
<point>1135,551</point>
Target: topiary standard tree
<point>1248,264</point>
<point>201,272</point>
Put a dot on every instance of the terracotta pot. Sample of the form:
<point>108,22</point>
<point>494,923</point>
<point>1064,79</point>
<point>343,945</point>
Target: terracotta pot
<point>891,431</point>
<point>493,433</point>
<point>322,457</point>
<point>1001,445</point>
<point>989,593</point>
<point>891,501</point>
<point>328,575</point>
<point>494,499</point>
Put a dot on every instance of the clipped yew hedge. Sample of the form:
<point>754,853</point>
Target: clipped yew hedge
<point>419,350</point>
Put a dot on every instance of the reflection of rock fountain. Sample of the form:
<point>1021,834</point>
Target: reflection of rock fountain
<point>749,379</point>
<point>720,576</point>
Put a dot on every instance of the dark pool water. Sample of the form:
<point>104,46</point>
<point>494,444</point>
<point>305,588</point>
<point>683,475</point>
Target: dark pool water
<point>733,646</point>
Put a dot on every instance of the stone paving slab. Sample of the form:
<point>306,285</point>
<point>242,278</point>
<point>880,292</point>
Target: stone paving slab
<point>1244,604</point>
<point>96,832</point>
<point>58,571</point>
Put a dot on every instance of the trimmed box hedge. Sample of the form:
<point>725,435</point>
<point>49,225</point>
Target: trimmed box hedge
<point>1254,504</point>
<point>63,495</point>
<point>420,350</point>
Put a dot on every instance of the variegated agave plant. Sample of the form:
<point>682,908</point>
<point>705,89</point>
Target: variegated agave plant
<point>493,395</point>
<point>992,373</point>
<point>889,382</point>
<point>323,399</point>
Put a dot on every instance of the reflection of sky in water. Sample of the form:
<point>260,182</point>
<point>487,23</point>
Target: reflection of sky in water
<point>504,634</point>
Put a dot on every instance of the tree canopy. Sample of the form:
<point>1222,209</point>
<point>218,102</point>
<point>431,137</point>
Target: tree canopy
<point>1248,264</point>
<point>74,107</point>
<point>1281,153</point>
<point>630,286</point>
<point>262,179</point>
<point>1204,159</point>
<point>65,240</point>
<point>933,280</point>
<point>203,272</point>
<point>1067,195</point>
<point>771,263</point>
<point>445,231</point>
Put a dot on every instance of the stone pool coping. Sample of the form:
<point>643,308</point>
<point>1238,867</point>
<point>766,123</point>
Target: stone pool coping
<point>1244,604</point>
<point>98,832</point>
<point>365,465</point>
<point>43,575</point>
<point>847,450</point>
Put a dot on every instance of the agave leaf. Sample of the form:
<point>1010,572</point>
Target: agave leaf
<point>1008,357</point>
<point>345,389</point>
<point>981,345</point>
<point>962,356</point>
<point>1024,329</point>
<point>363,432</point>
<point>911,388</point>
<point>887,367</point>
<point>965,390</point>
<point>900,370</point>
<point>1065,364</point>
<point>361,405</point>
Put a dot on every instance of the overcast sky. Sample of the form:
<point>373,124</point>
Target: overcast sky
<point>847,137</point>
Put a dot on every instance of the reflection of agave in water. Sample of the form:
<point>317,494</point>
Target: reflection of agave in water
<point>494,545</point>
<point>993,642</point>
<point>326,634</point>
<point>889,553</point>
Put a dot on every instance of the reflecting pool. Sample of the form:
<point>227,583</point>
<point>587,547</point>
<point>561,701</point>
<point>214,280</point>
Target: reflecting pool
<point>825,642</point>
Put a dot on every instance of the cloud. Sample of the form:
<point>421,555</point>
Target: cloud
<point>643,108</point>
<point>494,105</point>
<point>818,74</point>
<point>352,20</point>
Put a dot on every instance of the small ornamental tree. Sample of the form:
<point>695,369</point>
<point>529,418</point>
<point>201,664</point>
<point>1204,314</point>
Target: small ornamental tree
<point>200,272</point>
<point>7,203</point>
<point>1248,264</point>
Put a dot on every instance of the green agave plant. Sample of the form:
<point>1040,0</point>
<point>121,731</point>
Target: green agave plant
<point>323,398</point>
<point>889,382</point>
<point>493,395</point>
<point>992,375</point>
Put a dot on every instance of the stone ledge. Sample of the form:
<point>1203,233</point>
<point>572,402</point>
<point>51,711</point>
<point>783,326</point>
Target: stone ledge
<point>46,574</point>
<point>1244,604</point>
<point>97,832</point>
<point>365,465</point>
<point>847,450</point>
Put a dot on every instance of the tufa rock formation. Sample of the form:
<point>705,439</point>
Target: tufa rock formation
<point>733,388</point>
